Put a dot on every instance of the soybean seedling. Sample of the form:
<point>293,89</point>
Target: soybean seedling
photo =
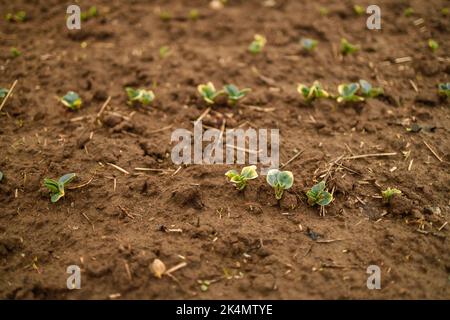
<point>433,45</point>
<point>359,10</point>
<point>308,44</point>
<point>19,16</point>
<point>313,92</point>
<point>3,93</point>
<point>57,187</point>
<point>408,12</point>
<point>280,181</point>
<point>347,93</point>
<point>444,89</point>
<point>388,194</point>
<point>194,14</point>
<point>247,173</point>
<point>15,52</point>
<point>208,92</point>
<point>142,96</point>
<point>234,94</point>
<point>91,13</point>
<point>368,91</point>
<point>347,47</point>
<point>318,195</point>
<point>257,44</point>
<point>71,100</point>
<point>164,51</point>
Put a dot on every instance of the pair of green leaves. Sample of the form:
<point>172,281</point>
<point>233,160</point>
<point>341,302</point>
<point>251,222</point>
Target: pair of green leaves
<point>247,173</point>
<point>389,193</point>
<point>210,94</point>
<point>313,92</point>
<point>144,97</point>
<point>348,92</point>
<point>347,47</point>
<point>444,89</point>
<point>257,44</point>
<point>280,181</point>
<point>19,16</point>
<point>318,195</point>
<point>3,93</point>
<point>71,100</point>
<point>91,13</point>
<point>57,187</point>
<point>308,44</point>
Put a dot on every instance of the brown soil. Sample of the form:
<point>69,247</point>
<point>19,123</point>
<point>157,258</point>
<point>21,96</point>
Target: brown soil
<point>269,250</point>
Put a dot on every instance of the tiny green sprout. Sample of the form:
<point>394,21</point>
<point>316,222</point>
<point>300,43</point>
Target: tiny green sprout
<point>444,89</point>
<point>359,10</point>
<point>208,92</point>
<point>247,173</point>
<point>165,16</point>
<point>308,44</point>
<point>347,93</point>
<point>15,52</point>
<point>90,13</point>
<point>318,195</point>
<point>408,12</point>
<point>433,45</point>
<point>144,97</point>
<point>324,11</point>
<point>19,16</point>
<point>347,47</point>
<point>57,187</point>
<point>1,176</point>
<point>257,44</point>
<point>234,94</point>
<point>3,93</point>
<point>444,11</point>
<point>194,14</point>
<point>389,193</point>
<point>280,181</point>
<point>204,285</point>
<point>164,51</point>
<point>71,100</point>
<point>313,92</point>
<point>368,91</point>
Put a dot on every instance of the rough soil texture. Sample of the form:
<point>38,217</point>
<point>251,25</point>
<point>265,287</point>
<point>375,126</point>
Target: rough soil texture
<point>246,243</point>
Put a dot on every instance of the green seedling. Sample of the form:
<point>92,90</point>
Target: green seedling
<point>91,13</point>
<point>164,51</point>
<point>388,194</point>
<point>347,47</point>
<point>444,11</point>
<point>318,195</point>
<point>247,173</point>
<point>309,44</point>
<point>142,96</point>
<point>3,93</point>
<point>433,45</point>
<point>234,94</point>
<point>15,52</point>
<point>347,93</point>
<point>57,187</point>
<point>444,89</point>
<point>359,10</point>
<point>324,11</point>
<point>258,44</point>
<point>208,92</point>
<point>1,176</point>
<point>19,16</point>
<point>194,14</point>
<point>313,92</point>
<point>280,181</point>
<point>408,12</point>
<point>165,16</point>
<point>204,285</point>
<point>71,100</point>
<point>368,91</point>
